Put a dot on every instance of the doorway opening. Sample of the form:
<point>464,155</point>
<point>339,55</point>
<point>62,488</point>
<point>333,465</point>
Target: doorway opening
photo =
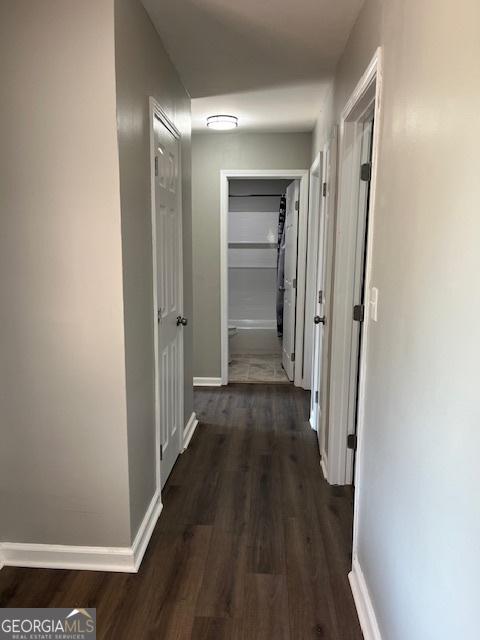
<point>257,212</point>
<point>342,376</point>
<point>263,270</point>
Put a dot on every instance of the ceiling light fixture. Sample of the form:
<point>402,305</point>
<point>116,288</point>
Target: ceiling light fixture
<point>222,122</point>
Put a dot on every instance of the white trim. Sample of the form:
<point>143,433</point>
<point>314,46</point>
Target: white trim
<point>281,174</point>
<point>363,603</point>
<point>367,92</point>
<point>299,379</point>
<point>156,110</point>
<point>146,528</point>
<point>207,382</point>
<point>189,430</point>
<point>324,466</point>
<point>223,278</point>
<point>368,277</point>
<point>56,556</point>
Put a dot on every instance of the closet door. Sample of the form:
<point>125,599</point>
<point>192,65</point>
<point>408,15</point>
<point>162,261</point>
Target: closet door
<point>290,294</point>
<point>170,321</point>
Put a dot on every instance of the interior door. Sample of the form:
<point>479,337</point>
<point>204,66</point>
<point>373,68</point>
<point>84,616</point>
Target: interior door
<point>168,237</point>
<point>290,277</point>
<point>319,317</point>
<point>323,333</point>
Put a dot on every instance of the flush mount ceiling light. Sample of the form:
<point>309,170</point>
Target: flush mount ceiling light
<point>222,122</point>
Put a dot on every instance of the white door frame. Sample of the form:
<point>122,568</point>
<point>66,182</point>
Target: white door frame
<point>366,94</point>
<point>280,174</point>
<point>315,204</point>
<point>155,110</point>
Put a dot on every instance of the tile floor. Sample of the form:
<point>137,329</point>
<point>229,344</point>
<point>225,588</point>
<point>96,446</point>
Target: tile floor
<point>256,368</point>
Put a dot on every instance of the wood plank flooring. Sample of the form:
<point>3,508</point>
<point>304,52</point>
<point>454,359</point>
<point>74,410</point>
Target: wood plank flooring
<point>252,543</point>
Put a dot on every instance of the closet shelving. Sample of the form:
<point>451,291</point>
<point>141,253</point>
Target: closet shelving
<point>252,239</point>
<point>246,244</point>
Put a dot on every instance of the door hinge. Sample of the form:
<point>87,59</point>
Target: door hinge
<point>352,441</point>
<point>320,297</point>
<point>324,189</point>
<point>366,172</point>
<point>161,452</point>
<point>294,283</point>
<point>292,357</point>
<point>316,397</point>
<point>296,205</point>
<point>156,165</point>
<point>359,312</point>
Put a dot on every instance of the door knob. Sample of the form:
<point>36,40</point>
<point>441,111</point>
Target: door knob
<point>320,320</point>
<point>181,321</point>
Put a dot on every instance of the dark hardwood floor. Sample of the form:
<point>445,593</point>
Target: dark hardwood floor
<point>252,543</point>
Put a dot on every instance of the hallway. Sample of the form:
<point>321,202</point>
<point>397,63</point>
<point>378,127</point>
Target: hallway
<point>252,544</point>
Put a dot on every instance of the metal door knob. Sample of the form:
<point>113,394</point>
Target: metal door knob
<point>320,320</point>
<point>181,321</point>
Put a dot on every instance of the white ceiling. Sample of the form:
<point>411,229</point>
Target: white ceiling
<point>266,61</point>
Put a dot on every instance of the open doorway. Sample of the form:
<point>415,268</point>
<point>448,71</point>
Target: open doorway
<point>263,236</point>
<point>257,230</point>
<point>366,128</point>
<point>343,319</point>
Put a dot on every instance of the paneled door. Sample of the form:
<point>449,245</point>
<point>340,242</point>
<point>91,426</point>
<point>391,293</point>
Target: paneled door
<point>169,292</point>
<point>290,278</point>
<point>319,318</point>
<point>323,312</point>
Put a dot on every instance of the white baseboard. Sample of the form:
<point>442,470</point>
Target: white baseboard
<point>56,556</point>
<point>311,422</point>
<point>207,382</point>
<point>145,529</point>
<point>363,603</point>
<point>323,465</point>
<point>189,430</point>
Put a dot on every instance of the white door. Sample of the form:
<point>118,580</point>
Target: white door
<point>290,278</point>
<point>322,336</point>
<point>314,214</point>
<point>168,254</point>
<point>318,318</point>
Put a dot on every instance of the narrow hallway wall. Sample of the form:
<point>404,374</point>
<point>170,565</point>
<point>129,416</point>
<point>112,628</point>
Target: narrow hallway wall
<point>143,69</point>
<point>63,452</point>
<point>419,522</point>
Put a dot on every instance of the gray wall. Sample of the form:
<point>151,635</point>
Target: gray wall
<point>419,522</point>
<point>63,452</point>
<point>143,69</point>
<point>212,152</point>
